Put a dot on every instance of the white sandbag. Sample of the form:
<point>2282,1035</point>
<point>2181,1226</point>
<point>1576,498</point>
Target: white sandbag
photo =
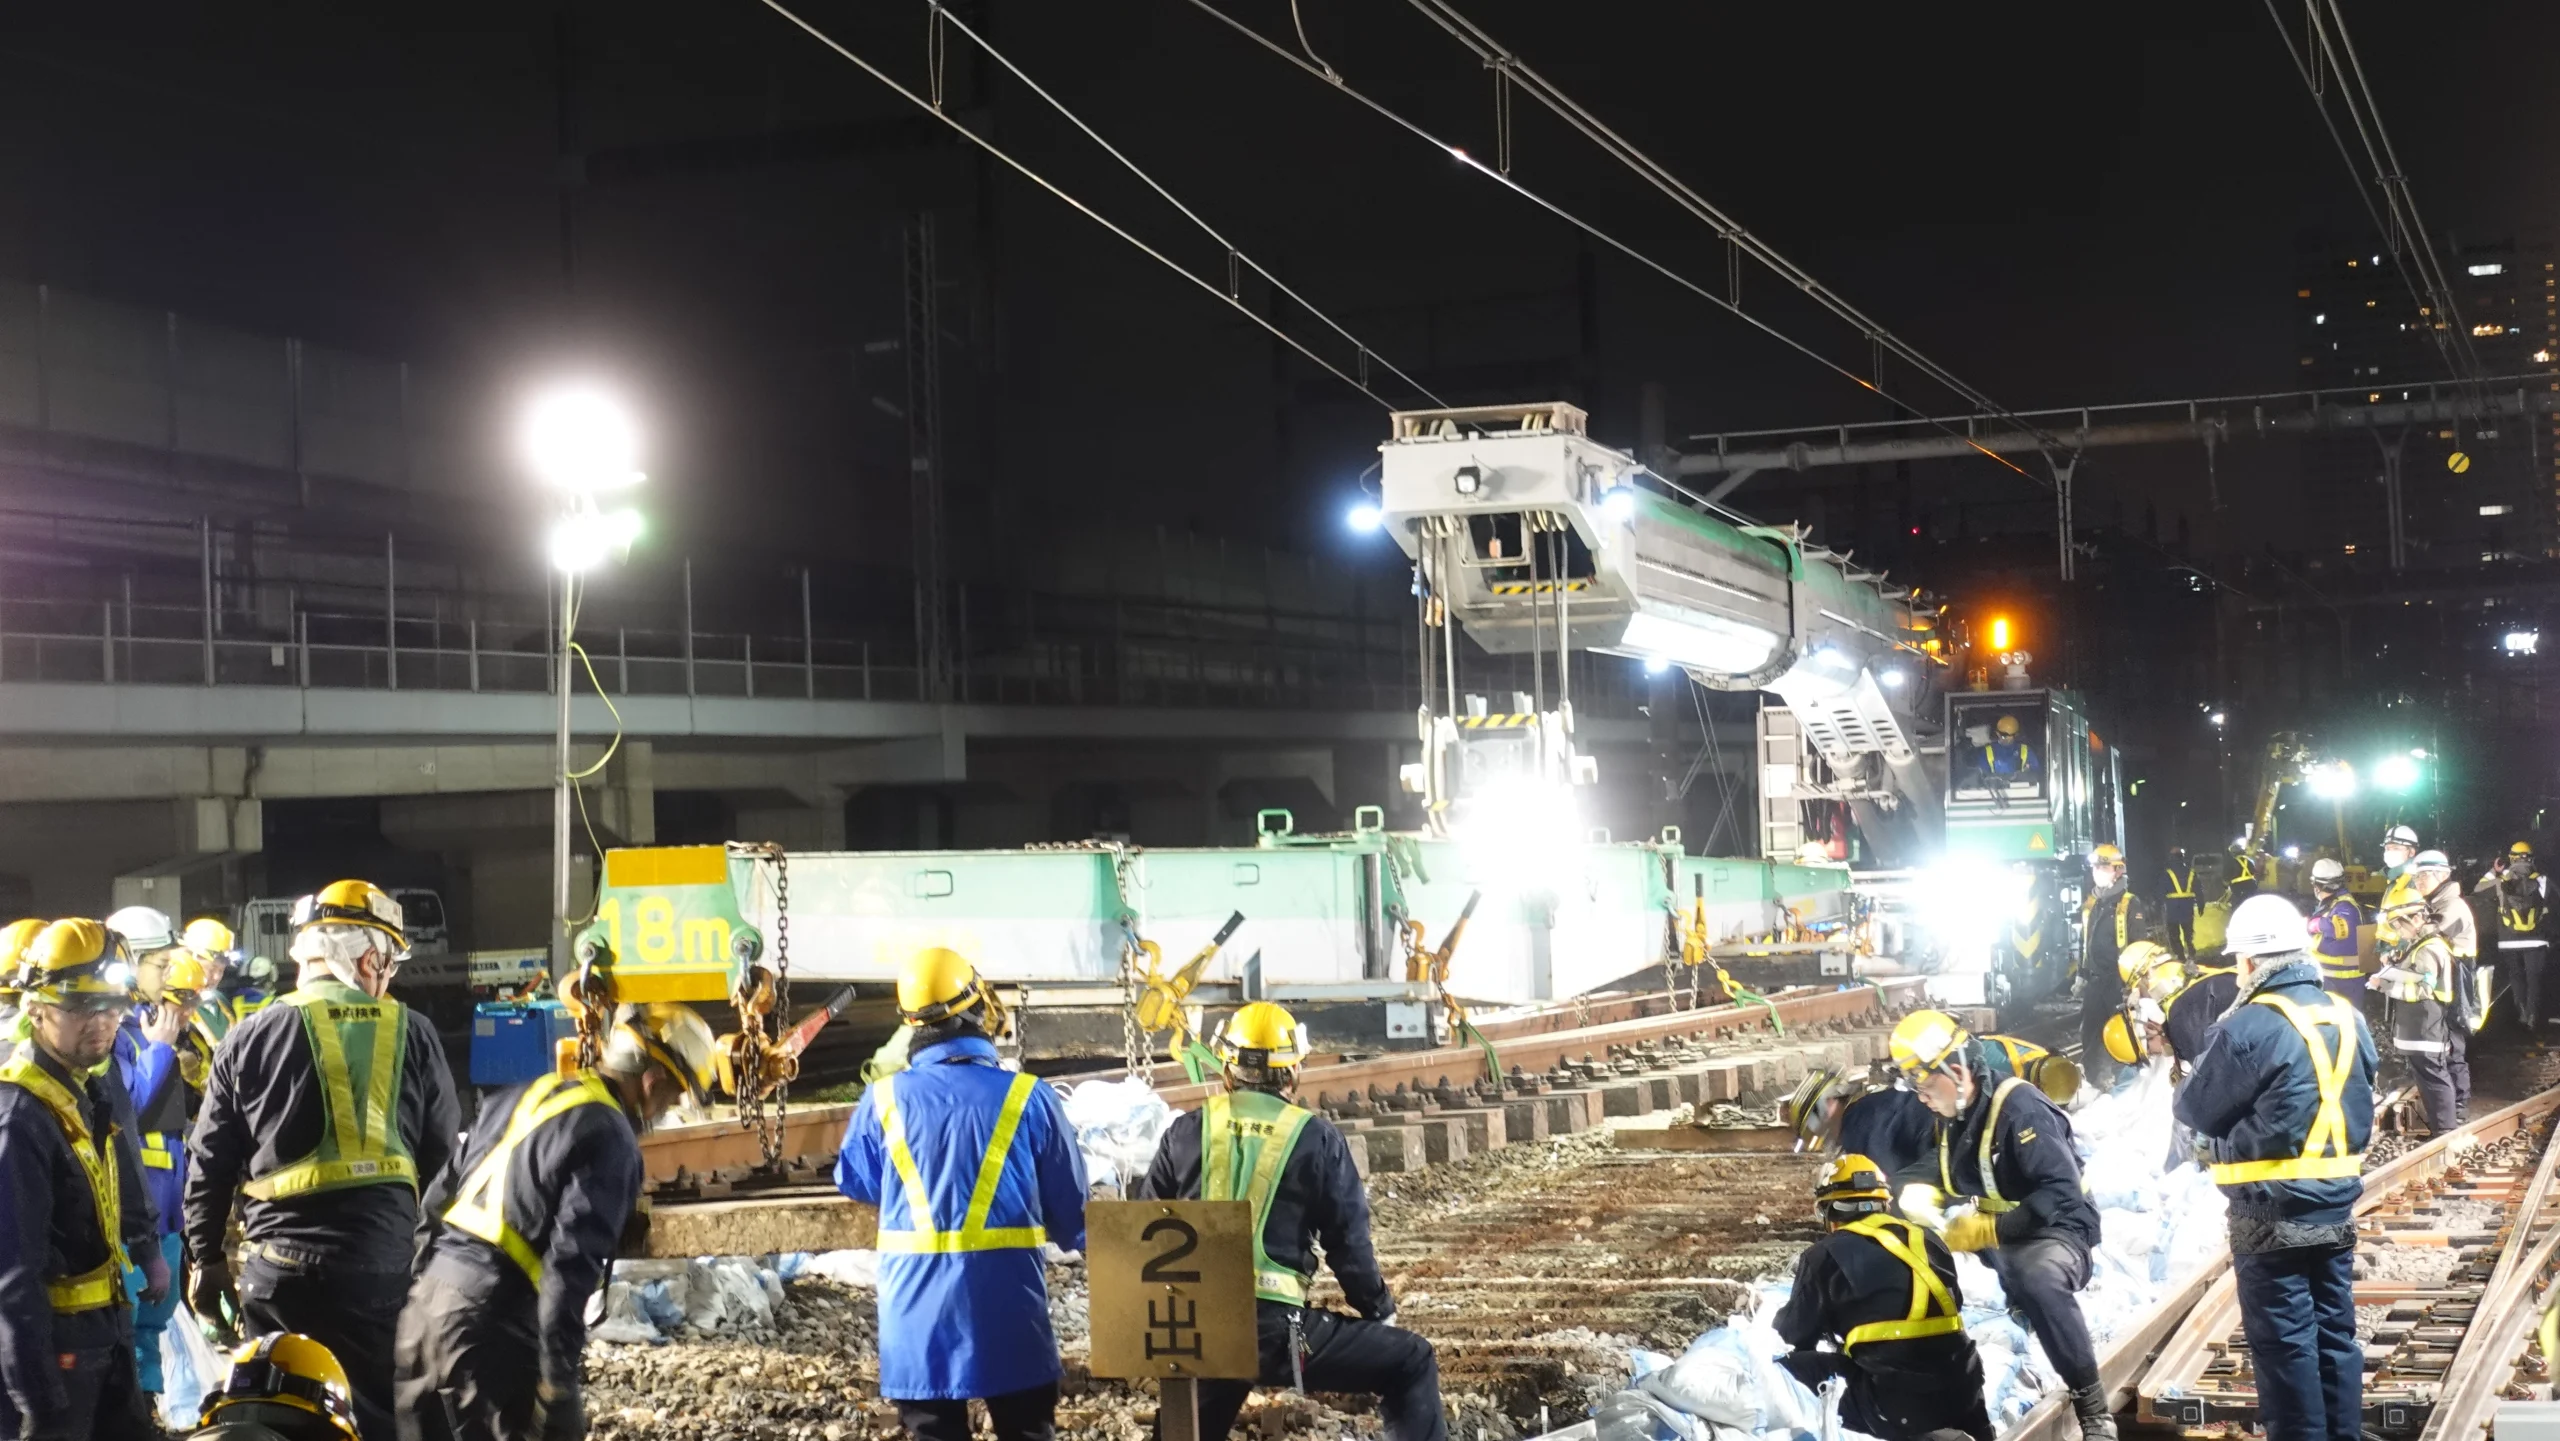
<point>846,1268</point>
<point>1712,1380</point>
<point>1118,1124</point>
<point>190,1370</point>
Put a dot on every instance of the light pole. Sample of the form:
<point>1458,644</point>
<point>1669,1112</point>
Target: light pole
<point>582,445</point>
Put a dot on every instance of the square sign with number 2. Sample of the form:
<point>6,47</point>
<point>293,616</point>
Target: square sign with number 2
<point>1172,1285</point>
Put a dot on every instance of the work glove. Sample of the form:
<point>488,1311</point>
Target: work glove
<point>559,1415</point>
<point>216,1302</point>
<point>1973,1231</point>
<point>1925,1204</point>
<point>155,1277</point>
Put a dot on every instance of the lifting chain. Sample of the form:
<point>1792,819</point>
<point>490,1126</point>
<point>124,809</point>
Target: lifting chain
<point>761,1066</point>
<point>1135,1052</point>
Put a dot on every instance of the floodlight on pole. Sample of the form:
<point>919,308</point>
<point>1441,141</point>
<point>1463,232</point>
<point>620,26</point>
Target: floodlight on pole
<point>580,442</point>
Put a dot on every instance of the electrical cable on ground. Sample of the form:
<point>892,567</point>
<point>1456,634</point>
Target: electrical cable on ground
<point>1222,295</point>
<point>1235,254</point>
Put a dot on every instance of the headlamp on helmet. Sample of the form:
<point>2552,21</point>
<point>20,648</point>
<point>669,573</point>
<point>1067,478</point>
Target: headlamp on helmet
<point>1854,1186</point>
<point>1261,1043</point>
<point>355,903</point>
<point>79,965</point>
<point>286,1369</point>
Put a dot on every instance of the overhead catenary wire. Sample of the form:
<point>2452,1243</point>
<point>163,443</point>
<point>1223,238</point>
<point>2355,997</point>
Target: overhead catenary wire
<point>1334,78</point>
<point>1509,65</point>
<point>1222,294</point>
<point>1234,252</point>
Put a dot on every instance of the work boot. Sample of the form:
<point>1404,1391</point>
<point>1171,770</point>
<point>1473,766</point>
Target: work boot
<point>2097,1422</point>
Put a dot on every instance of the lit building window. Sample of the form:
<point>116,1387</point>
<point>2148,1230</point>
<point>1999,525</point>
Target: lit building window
<point>2485,328</point>
<point>2494,509</point>
<point>2489,269</point>
<point>2351,550</point>
<point>2320,319</point>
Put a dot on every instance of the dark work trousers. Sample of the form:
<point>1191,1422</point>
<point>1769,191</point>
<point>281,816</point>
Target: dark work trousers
<point>465,1370</point>
<point>106,1401</point>
<point>2524,961</point>
<point>2298,1309</point>
<point>2040,1277</point>
<point>1344,1356</point>
<point>2178,925</point>
<point>2350,987</point>
<point>1017,1415</point>
<point>2432,1071</point>
<point>355,1314</point>
<point>1916,1389</point>
<point>2457,1060</point>
<point>2100,998</point>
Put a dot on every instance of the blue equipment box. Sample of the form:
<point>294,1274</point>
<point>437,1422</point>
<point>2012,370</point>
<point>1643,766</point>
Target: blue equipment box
<point>512,1042</point>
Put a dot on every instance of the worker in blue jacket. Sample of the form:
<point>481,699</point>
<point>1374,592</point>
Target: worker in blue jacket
<point>964,1297</point>
<point>147,1062</point>
<point>2335,917</point>
<point>66,1324</point>
<point>2283,1099</point>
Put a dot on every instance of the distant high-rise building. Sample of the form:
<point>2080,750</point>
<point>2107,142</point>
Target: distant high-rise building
<point>2363,325</point>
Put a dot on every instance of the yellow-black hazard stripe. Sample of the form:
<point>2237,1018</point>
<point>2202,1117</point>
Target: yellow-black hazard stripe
<point>1497,722</point>
<point>1536,587</point>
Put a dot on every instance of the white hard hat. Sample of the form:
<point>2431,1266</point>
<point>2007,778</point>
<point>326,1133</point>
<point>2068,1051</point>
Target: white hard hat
<point>144,929</point>
<point>2327,871</point>
<point>2400,836</point>
<point>2431,861</point>
<point>2265,925</point>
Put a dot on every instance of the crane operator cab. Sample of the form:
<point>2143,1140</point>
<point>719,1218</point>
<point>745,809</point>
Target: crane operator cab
<point>2000,747</point>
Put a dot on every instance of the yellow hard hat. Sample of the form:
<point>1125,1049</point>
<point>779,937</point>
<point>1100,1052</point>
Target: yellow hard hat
<point>1925,1041</point>
<point>2119,1040</point>
<point>672,1037</point>
<point>208,937</point>
<point>936,984</point>
<point>1805,1109</point>
<point>2055,1074</point>
<point>1854,1186</point>
<point>186,973</point>
<point>1259,1039</point>
<point>79,964</point>
<point>2522,850</point>
<point>286,1368</point>
<point>2108,853</point>
<point>2136,962</point>
<point>354,903</point>
<point>14,940</point>
<point>2007,725</point>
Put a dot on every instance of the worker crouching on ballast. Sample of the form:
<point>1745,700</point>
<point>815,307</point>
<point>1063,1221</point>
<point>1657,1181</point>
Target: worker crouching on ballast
<point>2007,1148</point>
<point>282,1387</point>
<point>973,1167</point>
<point>527,1221</point>
<point>1251,1144</point>
<point>1883,1290</point>
<point>2283,1098</point>
<point>1843,1113</point>
<point>66,1323</point>
<point>321,1114</point>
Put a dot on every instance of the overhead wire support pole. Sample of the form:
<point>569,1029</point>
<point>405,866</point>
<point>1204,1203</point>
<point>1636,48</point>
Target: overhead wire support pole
<point>1026,172</point>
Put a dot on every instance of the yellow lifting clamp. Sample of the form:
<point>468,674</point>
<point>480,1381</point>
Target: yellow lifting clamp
<point>1162,1003</point>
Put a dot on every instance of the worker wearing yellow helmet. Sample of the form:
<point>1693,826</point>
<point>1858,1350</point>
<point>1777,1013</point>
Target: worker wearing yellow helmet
<point>231,989</point>
<point>1841,1112</point>
<point>1250,1143</point>
<point>2513,899</point>
<point>2010,753</point>
<point>2006,1148</point>
<point>323,1116</point>
<point>14,940</point>
<point>281,1387</point>
<point>66,1348</point>
<point>1882,1292</point>
<point>973,1168</point>
<point>526,1224</point>
<point>2112,917</point>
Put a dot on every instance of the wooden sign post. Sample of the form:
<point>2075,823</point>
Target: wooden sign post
<point>1172,1298</point>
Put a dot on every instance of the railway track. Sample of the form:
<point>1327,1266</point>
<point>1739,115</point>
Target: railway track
<point>2452,1235</point>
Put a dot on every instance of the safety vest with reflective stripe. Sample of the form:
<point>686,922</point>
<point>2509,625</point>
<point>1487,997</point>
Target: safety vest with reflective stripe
<point>2182,888</point>
<point>360,1140</point>
<point>480,1206</point>
<point>103,1284</point>
<point>1245,1140</point>
<point>2526,917</point>
<point>974,1233</point>
<point>1933,1309</point>
<point>1991,1202</point>
<point>2124,916</point>
<point>211,1020</point>
<point>2325,1156</point>
<point>2021,758</point>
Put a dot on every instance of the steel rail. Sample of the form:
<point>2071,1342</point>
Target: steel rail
<point>2481,1368</point>
<point>2184,1341</point>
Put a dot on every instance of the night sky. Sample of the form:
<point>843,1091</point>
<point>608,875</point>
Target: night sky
<point>2064,208</point>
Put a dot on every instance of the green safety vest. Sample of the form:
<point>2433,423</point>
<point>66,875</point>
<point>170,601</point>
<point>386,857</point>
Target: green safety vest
<point>103,1284</point>
<point>480,1207</point>
<point>1245,1141</point>
<point>212,1020</point>
<point>2325,1156</point>
<point>357,1045</point>
<point>920,1238</point>
<point>1990,1202</point>
<point>1933,1309</point>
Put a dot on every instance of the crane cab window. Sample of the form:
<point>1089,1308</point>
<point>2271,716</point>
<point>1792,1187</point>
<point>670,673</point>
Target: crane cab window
<point>1998,746</point>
